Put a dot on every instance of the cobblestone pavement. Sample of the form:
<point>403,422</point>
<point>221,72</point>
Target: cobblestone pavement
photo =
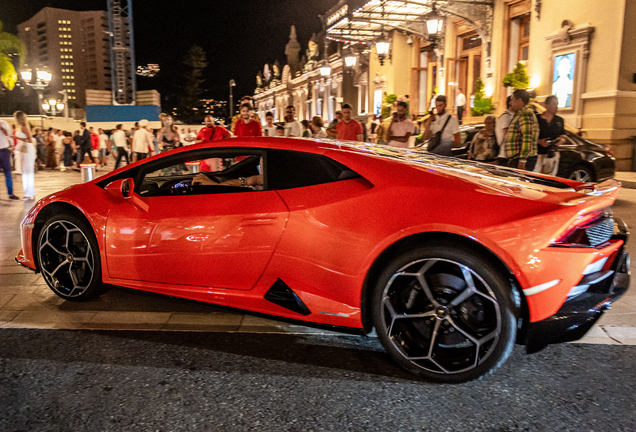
<point>26,301</point>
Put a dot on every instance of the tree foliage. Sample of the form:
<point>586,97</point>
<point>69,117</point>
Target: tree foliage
<point>195,62</point>
<point>518,78</point>
<point>482,105</point>
<point>9,45</point>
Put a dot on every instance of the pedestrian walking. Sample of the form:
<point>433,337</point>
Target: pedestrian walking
<point>17,156</point>
<point>523,133</point>
<point>68,150</point>
<point>26,147</point>
<point>6,148</point>
<point>103,147</point>
<point>445,125</point>
<point>49,139</point>
<point>401,127</point>
<point>551,136</point>
<point>40,148</point>
<point>349,129</point>
<point>460,103</point>
<point>167,138</point>
<point>121,144</point>
<point>142,144</point>
<point>84,145</point>
<point>501,129</point>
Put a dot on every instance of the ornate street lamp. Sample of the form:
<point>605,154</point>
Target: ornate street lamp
<point>42,80</point>
<point>53,106</point>
<point>434,23</point>
<point>350,59</point>
<point>382,46</point>
<point>325,68</point>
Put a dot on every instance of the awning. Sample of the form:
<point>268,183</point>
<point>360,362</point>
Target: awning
<point>362,21</point>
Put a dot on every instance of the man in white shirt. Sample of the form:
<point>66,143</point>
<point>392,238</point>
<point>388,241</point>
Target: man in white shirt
<point>293,128</point>
<point>142,144</point>
<point>58,137</point>
<point>460,103</point>
<point>442,121</point>
<point>103,147</point>
<point>501,129</point>
<point>121,143</point>
<point>401,127</point>
<point>5,157</point>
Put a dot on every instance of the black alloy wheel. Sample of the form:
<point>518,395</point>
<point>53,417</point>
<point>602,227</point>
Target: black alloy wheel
<point>68,257</point>
<point>582,174</point>
<point>445,313</point>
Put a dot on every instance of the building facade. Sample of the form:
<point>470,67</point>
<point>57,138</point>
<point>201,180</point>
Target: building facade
<point>574,49</point>
<point>74,47</point>
<point>301,84</point>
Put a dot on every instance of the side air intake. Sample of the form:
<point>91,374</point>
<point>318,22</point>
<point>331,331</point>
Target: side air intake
<point>283,296</point>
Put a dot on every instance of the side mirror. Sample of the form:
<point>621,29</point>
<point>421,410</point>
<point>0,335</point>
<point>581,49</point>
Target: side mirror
<point>121,188</point>
<point>127,188</point>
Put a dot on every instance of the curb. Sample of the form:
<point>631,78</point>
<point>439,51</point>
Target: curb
<point>627,184</point>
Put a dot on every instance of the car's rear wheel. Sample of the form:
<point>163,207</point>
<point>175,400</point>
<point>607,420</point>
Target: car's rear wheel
<point>68,257</point>
<point>445,313</point>
<point>582,174</point>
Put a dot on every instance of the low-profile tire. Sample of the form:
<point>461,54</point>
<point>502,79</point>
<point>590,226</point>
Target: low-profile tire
<point>68,258</point>
<point>444,313</point>
<point>581,173</point>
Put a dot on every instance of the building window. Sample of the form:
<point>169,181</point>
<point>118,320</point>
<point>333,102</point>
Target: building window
<point>524,38</point>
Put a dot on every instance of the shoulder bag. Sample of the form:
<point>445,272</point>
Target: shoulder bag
<point>436,139</point>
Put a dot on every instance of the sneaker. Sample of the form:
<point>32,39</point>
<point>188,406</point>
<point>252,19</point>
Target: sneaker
<point>13,197</point>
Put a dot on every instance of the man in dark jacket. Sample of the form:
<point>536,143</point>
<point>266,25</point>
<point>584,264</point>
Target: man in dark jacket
<point>85,144</point>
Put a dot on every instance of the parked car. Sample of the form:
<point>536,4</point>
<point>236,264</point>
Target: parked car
<point>580,159</point>
<point>451,261</point>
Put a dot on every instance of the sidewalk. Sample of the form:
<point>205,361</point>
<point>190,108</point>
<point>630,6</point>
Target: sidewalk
<point>27,302</point>
<point>627,178</point>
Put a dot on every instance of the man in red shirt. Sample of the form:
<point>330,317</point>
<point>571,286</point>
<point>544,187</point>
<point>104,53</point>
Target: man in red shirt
<point>246,126</point>
<point>211,132</point>
<point>349,129</point>
<point>94,145</point>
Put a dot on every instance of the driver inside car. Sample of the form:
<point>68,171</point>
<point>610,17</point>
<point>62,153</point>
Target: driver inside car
<point>253,181</point>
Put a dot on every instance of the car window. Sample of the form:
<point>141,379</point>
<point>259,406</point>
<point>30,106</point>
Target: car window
<point>292,169</point>
<point>203,172</point>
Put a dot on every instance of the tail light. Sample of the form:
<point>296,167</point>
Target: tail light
<point>608,150</point>
<point>588,230</point>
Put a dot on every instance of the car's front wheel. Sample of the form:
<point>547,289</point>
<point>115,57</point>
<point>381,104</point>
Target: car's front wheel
<point>445,313</point>
<point>68,257</point>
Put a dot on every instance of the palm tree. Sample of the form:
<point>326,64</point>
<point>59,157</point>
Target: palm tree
<point>10,44</point>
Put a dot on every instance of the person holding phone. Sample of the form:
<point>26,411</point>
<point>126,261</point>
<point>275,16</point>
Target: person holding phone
<point>401,127</point>
<point>446,124</point>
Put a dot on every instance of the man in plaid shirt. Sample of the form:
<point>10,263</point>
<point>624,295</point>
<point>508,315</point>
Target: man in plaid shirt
<point>521,140</point>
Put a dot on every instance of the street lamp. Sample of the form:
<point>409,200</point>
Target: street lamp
<point>42,80</point>
<point>350,59</point>
<point>232,84</point>
<point>434,23</point>
<point>53,106</point>
<point>325,68</point>
<point>382,46</point>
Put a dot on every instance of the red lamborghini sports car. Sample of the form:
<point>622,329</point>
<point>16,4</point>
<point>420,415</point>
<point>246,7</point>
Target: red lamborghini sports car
<point>452,262</point>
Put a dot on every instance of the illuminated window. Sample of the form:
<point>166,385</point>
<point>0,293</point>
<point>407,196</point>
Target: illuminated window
<point>72,77</point>
<point>60,22</point>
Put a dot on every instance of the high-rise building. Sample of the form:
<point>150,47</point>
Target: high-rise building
<point>73,46</point>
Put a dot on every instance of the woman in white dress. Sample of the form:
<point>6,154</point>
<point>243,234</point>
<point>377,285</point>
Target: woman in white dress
<point>26,148</point>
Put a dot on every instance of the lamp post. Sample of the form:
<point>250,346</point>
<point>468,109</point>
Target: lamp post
<point>53,106</point>
<point>382,47</point>
<point>232,84</point>
<point>65,102</point>
<point>350,59</point>
<point>38,81</point>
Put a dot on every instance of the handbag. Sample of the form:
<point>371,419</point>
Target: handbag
<point>436,139</point>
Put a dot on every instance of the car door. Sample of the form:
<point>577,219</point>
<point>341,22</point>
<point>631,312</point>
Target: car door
<point>173,233</point>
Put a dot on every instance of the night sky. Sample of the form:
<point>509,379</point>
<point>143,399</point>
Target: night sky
<point>239,37</point>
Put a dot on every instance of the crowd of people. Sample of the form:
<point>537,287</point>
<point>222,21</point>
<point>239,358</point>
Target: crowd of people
<point>519,138</point>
